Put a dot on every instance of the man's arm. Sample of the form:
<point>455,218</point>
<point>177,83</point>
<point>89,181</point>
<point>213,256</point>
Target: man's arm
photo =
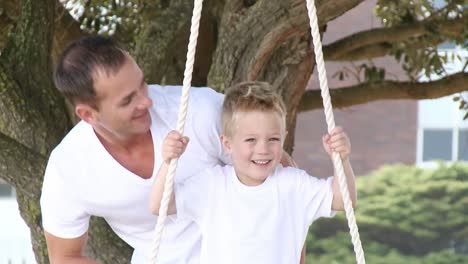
<point>67,251</point>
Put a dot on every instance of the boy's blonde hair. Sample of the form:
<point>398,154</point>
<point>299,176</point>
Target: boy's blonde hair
<point>249,97</point>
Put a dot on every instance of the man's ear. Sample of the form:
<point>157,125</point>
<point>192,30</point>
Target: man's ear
<point>226,144</point>
<point>86,113</point>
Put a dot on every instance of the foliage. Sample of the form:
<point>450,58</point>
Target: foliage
<point>405,215</point>
<point>108,17</point>
<point>415,59</point>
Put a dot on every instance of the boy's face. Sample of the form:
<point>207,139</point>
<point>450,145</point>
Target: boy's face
<point>256,145</point>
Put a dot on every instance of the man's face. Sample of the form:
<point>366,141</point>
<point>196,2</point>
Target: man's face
<point>122,102</point>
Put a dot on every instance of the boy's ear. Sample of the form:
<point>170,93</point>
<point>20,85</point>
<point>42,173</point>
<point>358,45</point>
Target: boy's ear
<point>226,144</point>
<point>86,113</point>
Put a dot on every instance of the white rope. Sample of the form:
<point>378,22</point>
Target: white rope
<point>353,230</point>
<point>168,187</point>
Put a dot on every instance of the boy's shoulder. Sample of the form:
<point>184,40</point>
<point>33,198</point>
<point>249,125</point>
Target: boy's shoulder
<point>289,173</point>
<point>217,172</point>
<point>290,177</point>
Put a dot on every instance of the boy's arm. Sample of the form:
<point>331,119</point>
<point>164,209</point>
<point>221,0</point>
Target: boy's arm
<point>173,146</point>
<point>337,203</point>
<point>157,192</point>
<point>338,141</point>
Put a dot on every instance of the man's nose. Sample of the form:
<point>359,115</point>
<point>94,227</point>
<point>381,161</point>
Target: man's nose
<point>145,102</point>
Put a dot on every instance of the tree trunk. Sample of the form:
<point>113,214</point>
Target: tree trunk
<point>32,114</point>
<point>266,40</point>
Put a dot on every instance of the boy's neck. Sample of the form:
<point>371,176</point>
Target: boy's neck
<point>249,181</point>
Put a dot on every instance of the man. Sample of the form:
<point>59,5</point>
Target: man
<point>106,164</point>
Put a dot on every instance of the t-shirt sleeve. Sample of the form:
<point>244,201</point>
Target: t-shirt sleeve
<point>62,215</point>
<point>317,196</point>
<point>208,127</point>
<point>193,195</point>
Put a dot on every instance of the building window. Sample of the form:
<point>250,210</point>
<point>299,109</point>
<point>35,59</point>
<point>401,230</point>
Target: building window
<point>6,190</point>
<point>442,132</point>
<point>437,144</point>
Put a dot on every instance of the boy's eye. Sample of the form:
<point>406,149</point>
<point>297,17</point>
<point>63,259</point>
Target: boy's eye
<point>250,140</point>
<point>275,139</point>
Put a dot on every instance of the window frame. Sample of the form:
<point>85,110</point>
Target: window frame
<point>455,126</point>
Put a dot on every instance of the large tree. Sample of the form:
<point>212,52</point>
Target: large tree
<point>239,40</point>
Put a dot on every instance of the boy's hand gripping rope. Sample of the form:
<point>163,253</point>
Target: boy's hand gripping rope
<point>322,73</point>
<point>168,187</point>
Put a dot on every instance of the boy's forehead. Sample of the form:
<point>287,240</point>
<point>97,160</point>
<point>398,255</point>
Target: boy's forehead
<point>251,121</point>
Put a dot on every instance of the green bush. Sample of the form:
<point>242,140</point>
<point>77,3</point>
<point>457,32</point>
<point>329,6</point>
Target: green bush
<point>405,215</point>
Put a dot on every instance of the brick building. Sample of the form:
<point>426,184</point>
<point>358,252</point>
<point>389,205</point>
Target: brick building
<point>382,132</point>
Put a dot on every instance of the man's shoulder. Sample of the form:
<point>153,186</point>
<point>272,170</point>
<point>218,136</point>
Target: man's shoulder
<point>76,140</point>
<point>169,96</point>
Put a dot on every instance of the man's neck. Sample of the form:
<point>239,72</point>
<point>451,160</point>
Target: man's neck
<point>123,144</point>
<point>135,154</point>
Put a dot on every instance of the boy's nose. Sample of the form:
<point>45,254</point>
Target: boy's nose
<point>262,147</point>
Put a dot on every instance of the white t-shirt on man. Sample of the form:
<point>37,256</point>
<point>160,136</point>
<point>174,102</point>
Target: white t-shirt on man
<point>264,224</point>
<point>83,179</point>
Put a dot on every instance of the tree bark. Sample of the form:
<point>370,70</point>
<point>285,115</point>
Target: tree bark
<point>22,166</point>
<point>32,112</point>
<point>67,29</point>
<point>162,46</point>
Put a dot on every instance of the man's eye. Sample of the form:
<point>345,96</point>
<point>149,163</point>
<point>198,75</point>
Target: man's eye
<point>126,102</point>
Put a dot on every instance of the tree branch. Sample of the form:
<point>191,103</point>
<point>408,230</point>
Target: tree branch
<point>329,10</point>
<point>386,90</point>
<point>21,166</point>
<point>66,28</point>
<point>8,14</point>
<point>31,109</point>
<point>378,42</point>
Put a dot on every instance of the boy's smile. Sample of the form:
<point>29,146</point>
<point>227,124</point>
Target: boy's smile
<point>256,145</point>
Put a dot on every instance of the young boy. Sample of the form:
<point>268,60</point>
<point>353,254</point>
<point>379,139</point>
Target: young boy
<point>255,211</point>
